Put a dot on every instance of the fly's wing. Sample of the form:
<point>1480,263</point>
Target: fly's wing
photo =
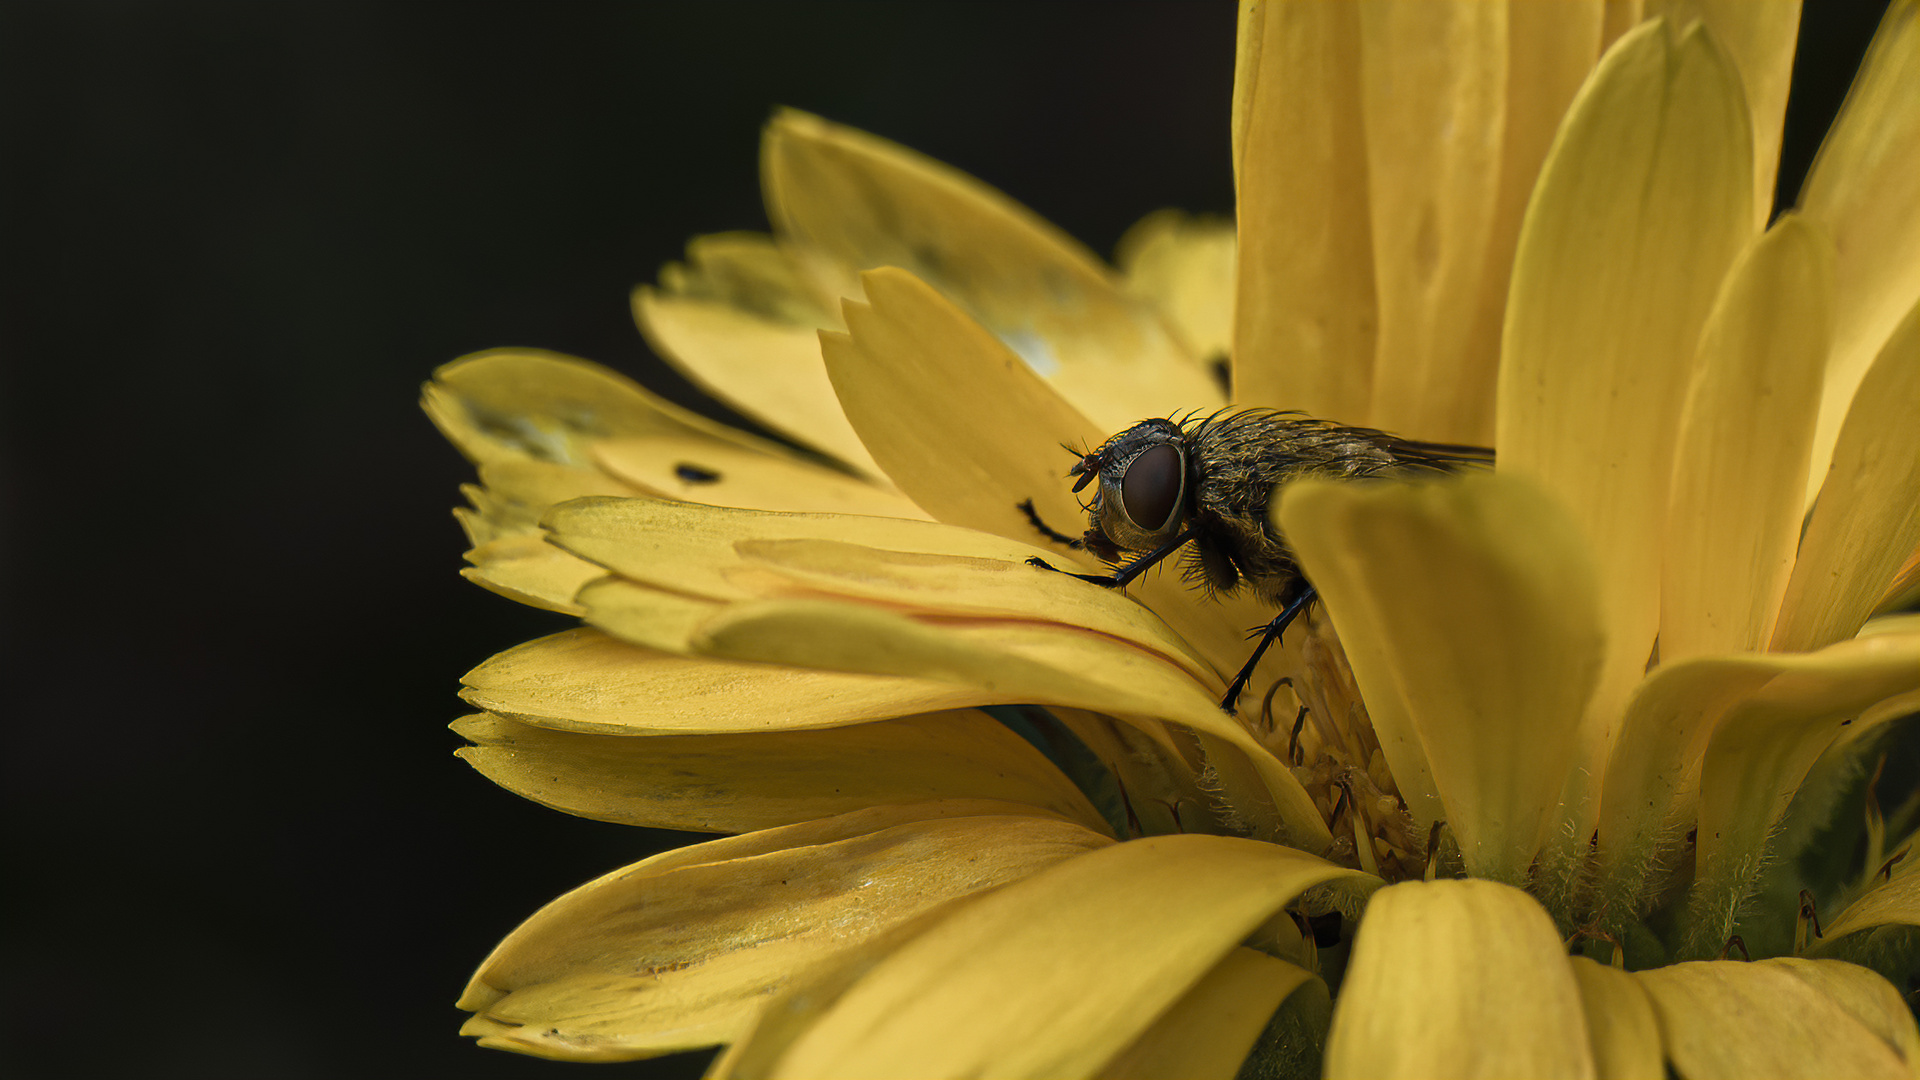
<point>1441,457</point>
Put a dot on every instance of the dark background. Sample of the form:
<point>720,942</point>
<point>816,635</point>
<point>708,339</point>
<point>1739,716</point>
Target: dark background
<point>236,238</point>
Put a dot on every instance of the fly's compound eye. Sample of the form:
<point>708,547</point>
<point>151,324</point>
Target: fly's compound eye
<point>1150,489</point>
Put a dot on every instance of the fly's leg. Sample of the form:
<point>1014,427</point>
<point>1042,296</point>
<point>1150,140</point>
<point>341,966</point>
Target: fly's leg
<point>1119,578</point>
<point>1048,531</point>
<point>1268,636</point>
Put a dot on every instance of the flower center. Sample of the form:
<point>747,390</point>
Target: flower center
<point>1316,722</point>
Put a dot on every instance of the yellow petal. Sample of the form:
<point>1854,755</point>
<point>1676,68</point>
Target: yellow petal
<point>1865,188</point>
<point>1896,902</point>
<point>583,681</point>
<point>1867,997</point>
<point>1652,777</point>
<point>1304,313</point>
<point>528,569</point>
<point>1620,1020</point>
<point>1761,751</point>
<point>694,470</point>
<point>1868,516</point>
<point>917,566</point>
<point>1740,461</point>
<point>969,433</point>
<point>1437,967</point>
<point>1183,265</point>
<point>1732,1019</point>
<point>1550,50</point>
<point>1027,981</point>
<point>1039,663</point>
<point>849,202</point>
<point>1641,207</point>
<point>524,404</point>
<point>738,783</point>
<point>657,619</point>
<point>1207,1033</point>
<point>740,322</point>
<point>1480,594</point>
<point>1620,17</point>
<point>1759,35</point>
<point>681,951</point>
<point>1433,96</point>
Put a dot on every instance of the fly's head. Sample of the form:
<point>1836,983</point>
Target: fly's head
<point>1142,498</point>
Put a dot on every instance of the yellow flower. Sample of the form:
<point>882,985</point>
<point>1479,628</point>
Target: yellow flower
<point>1599,673</point>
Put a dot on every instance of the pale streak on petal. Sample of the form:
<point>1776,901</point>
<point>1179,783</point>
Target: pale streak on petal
<point>1868,517</point>
<point>1618,17</point>
<point>847,201</point>
<point>742,782</point>
<point>1729,1020</point>
<point>683,950</point>
<point>1630,231</point>
<point>1865,188</point>
<point>1433,95</point>
<point>1480,592</point>
<point>1440,964</point>
<point>1025,982</point>
<point>1620,1020</point>
<point>1740,460</point>
<point>1304,317</point>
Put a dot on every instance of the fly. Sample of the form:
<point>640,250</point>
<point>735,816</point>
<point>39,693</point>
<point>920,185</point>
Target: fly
<point>1208,482</point>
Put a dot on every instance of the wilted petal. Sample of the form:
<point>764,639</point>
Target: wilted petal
<point>1630,231</point>
<point>582,680</point>
<point>738,783</point>
<point>1479,593</point>
<point>1184,265</point>
<point>1741,457</point>
<point>1028,981</point>
<point>1304,321</point>
<point>1761,751</point>
<point>1868,518</point>
<point>1461,978</point>
<point>1433,92</point>
<point>1207,1033</point>
<point>682,950</point>
<point>848,202</point>
<point>1865,188</point>
<point>1732,1019</point>
<point>1620,1020</point>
